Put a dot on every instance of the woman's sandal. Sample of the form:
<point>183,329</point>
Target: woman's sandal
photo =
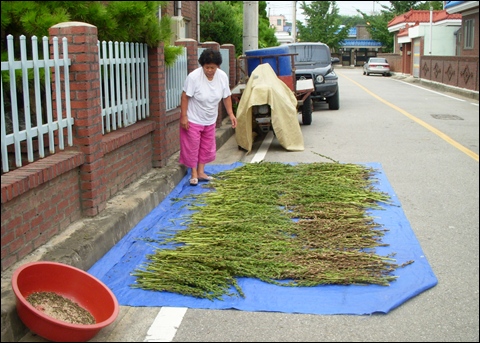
<point>208,178</point>
<point>193,181</point>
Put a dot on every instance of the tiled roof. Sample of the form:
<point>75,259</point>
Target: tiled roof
<point>403,32</point>
<point>423,16</point>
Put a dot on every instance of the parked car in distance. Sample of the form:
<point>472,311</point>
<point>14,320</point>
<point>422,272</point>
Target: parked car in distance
<point>376,65</point>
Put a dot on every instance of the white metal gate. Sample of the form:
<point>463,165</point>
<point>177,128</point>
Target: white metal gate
<point>416,57</point>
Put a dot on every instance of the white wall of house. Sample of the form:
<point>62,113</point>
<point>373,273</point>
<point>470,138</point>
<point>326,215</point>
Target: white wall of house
<point>441,41</point>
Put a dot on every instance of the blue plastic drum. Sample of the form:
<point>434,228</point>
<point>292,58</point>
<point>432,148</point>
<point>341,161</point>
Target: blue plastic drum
<point>282,65</point>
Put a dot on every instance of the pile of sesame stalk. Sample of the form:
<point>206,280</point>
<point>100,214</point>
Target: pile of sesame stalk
<point>292,225</point>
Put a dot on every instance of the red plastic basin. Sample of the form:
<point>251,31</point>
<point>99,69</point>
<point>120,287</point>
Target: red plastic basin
<point>69,282</point>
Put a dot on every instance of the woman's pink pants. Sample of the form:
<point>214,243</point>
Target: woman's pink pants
<point>197,145</point>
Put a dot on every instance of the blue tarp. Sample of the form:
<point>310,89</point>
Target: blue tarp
<point>130,252</point>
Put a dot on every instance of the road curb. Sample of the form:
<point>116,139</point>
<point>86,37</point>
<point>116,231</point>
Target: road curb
<point>442,87</point>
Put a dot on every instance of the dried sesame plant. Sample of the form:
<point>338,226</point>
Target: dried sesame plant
<point>292,225</point>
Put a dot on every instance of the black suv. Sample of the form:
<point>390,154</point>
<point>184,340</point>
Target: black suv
<point>314,61</point>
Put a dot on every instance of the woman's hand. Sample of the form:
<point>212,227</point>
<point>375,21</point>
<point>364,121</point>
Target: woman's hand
<point>233,119</point>
<point>184,122</point>
<point>183,111</point>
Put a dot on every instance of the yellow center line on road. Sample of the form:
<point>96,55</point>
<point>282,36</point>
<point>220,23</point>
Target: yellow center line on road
<point>419,121</point>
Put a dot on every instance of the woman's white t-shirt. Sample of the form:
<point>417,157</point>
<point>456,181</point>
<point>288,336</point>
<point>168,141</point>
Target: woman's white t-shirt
<point>204,95</point>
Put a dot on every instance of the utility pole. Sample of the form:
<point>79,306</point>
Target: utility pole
<point>250,25</point>
<point>294,22</point>
<point>431,32</point>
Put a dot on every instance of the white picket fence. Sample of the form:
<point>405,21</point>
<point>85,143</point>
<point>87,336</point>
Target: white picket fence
<point>124,94</point>
<point>123,83</point>
<point>20,127</point>
<point>124,100</point>
<point>175,78</point>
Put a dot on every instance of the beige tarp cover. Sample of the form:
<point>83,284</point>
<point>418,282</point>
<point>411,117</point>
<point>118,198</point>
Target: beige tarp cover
<point>264,87</point>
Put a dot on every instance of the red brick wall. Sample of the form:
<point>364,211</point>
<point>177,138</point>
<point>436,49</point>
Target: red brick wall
<point>474,51</point>
<point>395,61</point>
<point>189,13</point>
<point>156,74</point>
<point>460,71</point>
<point>172,132</point>
<point>451,70</point>
<point>41,199</point>
<point>127,163</point>
<point>30,220</point>
<point>85,104</point>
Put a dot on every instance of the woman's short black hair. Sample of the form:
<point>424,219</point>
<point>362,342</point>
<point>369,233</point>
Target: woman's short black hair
<point>209,56</point>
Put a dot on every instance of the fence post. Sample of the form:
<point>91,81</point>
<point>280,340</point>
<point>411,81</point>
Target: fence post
<point>158,106</point>
<point>192,52</point>
<point>82,41</point>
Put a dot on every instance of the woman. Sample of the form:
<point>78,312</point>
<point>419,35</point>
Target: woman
<point>203,90</point>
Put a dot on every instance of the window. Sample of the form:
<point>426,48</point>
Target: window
<point>310,53</point>
<point>469,30</point>
<point>188,30</point>
<point>176,7</point>
<point>279,22</point>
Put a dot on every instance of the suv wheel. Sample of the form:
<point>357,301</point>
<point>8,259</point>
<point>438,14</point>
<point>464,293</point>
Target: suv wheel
<point>307,109</point>
<point>334,101</point>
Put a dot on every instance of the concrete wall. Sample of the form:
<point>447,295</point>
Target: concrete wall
<point>442,40</point>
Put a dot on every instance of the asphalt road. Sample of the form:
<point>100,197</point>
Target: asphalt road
<point>428,144</point>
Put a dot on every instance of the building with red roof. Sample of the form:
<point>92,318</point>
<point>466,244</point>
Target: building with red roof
<point>439,46</point>
<point>423,32</point>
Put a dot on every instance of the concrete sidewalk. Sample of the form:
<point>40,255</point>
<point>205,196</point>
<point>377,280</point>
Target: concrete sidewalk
<point>86,241</point>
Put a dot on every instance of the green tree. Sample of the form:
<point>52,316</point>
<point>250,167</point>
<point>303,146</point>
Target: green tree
<point>116,20</point>
<point>222,22</point>
<point>266,34</point>
<point>400,7</point>
<point>123,21</point>
<point>323,24</point>
<point>352,21</point>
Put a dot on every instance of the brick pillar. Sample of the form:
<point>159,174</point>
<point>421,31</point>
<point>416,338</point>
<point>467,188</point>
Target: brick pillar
<point>213,45</point>
<point>158,107</point>
<point>192,52</point>
<point>85,95</point>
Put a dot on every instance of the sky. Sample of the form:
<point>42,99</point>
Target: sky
<point>345,8</point>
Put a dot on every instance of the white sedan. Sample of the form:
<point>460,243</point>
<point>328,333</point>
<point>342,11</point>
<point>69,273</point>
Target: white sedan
<point>376,65</point>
